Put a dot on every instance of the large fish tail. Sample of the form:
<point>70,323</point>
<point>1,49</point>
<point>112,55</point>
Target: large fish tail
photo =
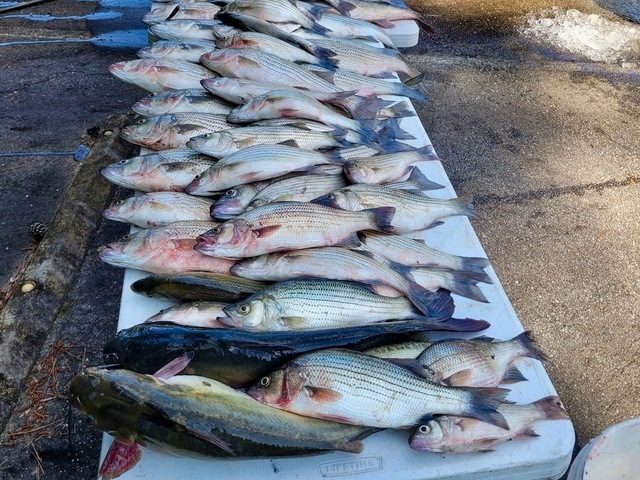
<point>388,129</point>
<point>530,346</point>
<point>364,107</point>
<point>416,183</point>
<point>474,264</point>
<point>441,307</point>
<point>551,408</point>
<point>463,284</point>
<point>382,217</point>
<point>463,206</point>
<point>483,405</point>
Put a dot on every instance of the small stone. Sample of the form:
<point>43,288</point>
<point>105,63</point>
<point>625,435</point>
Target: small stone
<point>28,286</point>
<point>37,231</point>
<point>108,133</point>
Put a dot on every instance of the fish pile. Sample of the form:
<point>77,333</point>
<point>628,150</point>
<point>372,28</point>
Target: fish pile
<point>277,206</point>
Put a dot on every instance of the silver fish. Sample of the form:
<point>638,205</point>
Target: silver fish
<point>331,384</point>
<point>226,142</point>
<point>174,130</point>
<point>159,208</point>
<point>168,170</point>
<point>159,75</point>
<point>279,11</point>
<point>341,26</point>
<point>282,226</point>
<point>194,314</point>
<point>412,252</point>
<point>449,434</point>
<point>259,162</point>
<point>186,51</point>
<point>387,168</point>
<point>300,189</point>
<point>181,11</point>
<point>182,30</point>
<point>415,212</point>
<point>180,101</point>
<point>478,362</point>
<point>333,263</point>
<point>315,304</point>
<point>235,200</point>
<point>164,250</point>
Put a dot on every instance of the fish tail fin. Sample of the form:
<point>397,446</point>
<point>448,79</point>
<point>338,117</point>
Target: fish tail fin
<point>464,285</point>
<point>365,107</point>
<point>390,145</point>
<point>382,217</point>
<point>530,346</point>
<point>483,405</point>
<point>474,264</point>
<point>389,129</point>
<point>513,375</point>
<point>441,306</point>
<point>428,154</point>
<point>401,110</point>
<point>463,206</point>
<point>424,300</point>
<point>425,26</point>
<point>551,408</point>
<point>417,79</point>
<point>319,29</point>
<point>463,325</point>
<point>417,182</point>
<point>343,7</point>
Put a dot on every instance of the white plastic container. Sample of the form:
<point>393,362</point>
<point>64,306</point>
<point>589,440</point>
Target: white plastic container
<point>612,455</point>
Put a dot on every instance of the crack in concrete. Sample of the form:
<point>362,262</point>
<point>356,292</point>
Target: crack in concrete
<point>552,192</point>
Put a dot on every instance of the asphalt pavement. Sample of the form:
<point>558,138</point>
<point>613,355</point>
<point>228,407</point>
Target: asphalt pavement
<point>545,145</point>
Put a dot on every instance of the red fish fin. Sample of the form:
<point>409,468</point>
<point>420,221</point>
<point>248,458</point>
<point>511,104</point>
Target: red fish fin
<point>174,367</point>
<point>353,446</point>
<point>120,458</point>
<point>208,436</point>
<point>527,433</point>
<point>320,394</point>
<point>266,231</point>
<point>459,379</point>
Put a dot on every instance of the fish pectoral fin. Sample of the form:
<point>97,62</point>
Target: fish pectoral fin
<point>266,231</point>
<point>353,446</point>
<point>513,375</point>
<point>464,423</point>
<point>463,377</point>
<point>410,364</point>
<point>120,458</point>
<point>322,395</point>
<point>527,433</point>
<point>290,143</point>
<point>384,23</point>
<point>351,240</point>
<point>208,436</point>
<point>175,366</point>
<point>175,166</point>
<point>292,321</point>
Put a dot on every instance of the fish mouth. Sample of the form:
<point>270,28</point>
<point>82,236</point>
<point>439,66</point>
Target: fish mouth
<point>228,321</point>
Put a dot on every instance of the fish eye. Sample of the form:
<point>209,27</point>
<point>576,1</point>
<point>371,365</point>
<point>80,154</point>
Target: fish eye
<point>196,177</point>
<point>140,122</point>
<point>265,381</point>
<point>126,237</point>
<point>244,308</point>
<point>330,196</point>
<point>216,230</point>
<point>124,160</point>
<point>119,202</point>
<point>424,429</point>
<point>230,193</point>
<point>207,135</point>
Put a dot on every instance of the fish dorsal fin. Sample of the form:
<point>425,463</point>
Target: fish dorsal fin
<point>290,143</point>
<point>321,394</point>
<point>266,231</point>
<point>366,253</point>
<point>419,240</point>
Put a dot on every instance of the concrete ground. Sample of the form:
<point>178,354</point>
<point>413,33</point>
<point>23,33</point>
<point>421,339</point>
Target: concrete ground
<point>546,148</point>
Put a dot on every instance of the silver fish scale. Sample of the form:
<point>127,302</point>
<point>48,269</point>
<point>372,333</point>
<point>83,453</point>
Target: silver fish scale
<point>450,357</point>
<point>188,230</point>
<point>306,216</point>
<point>360,54</point>
<point>189,69</point>
<point>382,195</point>
<point>209,121</point>
<point>274,46</point>
<point>398,160</point>
<point>308,186</point>
<point>281,153</point>
<point>345,80</point>
<point>187,101</point>
<point>373,386</point>
<point>340,24</point>
<point>280,71</point>
<point>178,155</point>
<point>331,302</point>
<point>305,139</point>
<point>281,11</point>
<point>187,50</point>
